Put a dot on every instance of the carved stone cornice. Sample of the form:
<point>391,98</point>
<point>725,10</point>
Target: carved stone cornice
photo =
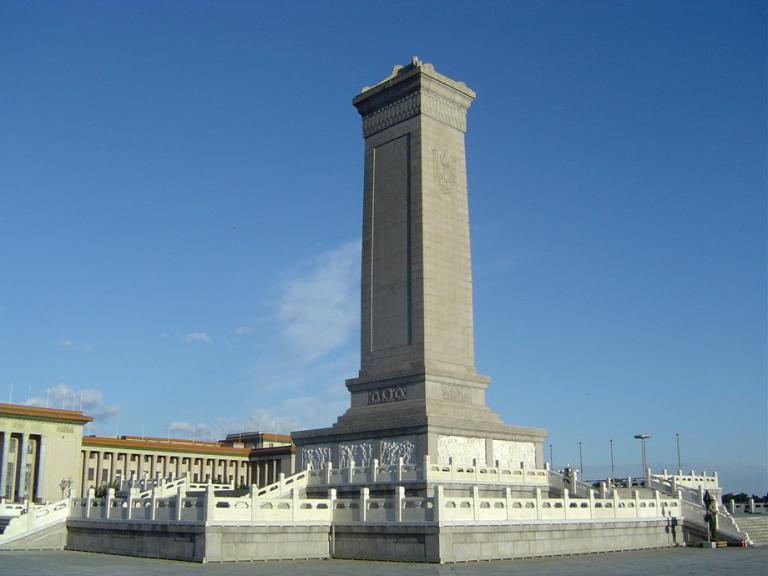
<point>422,101</point>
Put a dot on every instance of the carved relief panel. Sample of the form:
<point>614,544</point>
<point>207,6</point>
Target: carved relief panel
<point>461,450</point>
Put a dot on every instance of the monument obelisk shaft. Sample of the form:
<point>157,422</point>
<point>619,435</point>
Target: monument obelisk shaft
<point>417,392</point>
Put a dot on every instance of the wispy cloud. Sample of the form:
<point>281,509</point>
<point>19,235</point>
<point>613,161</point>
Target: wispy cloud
<point>91,402</point>
<point>197,337</point>
<point>73,345</point>
<point>190,430</point>
<point>243,330</point>
<point>319,309</point>
<point>292,414</point>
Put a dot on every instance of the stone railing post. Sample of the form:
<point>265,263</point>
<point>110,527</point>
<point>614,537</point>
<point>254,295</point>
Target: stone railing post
<point>179,504</point>
<point>294,505</point>
<point>566,502</point>
<point>108,502</point>
<point>450,466</point>
<point>281,480</point>
<point>508,503</point>
<point>350,472</point>
<point>29,512</point>
<point>701,495</point>
<point>328,472</point>
<point>715,480</point>
<point>332,504</point>
<point>474,467</point>
<point>437,503</point>
<point>89,502</point>
<point>592,500</point>
<point>648,477</point>
<point>209,504</point>
<point>475,502</point>
<point>732,506</point>
<point>153,507</point>
<point>751,504</point>
<point>538,503</point>
<point>373,471</point>
<point>425,471</point>
<point>131,495</point>
<point>364,504</point>
<point>399,502</point>
<point>637,503</point>
<point>657,497</point>
<point>603,490</point>
<point>674,483</point>
<point>616,502</point>
<point>400,469</point>
<point>525,471</point>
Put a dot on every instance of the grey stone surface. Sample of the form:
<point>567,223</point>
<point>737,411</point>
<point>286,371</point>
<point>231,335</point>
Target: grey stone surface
<point>667,562</point>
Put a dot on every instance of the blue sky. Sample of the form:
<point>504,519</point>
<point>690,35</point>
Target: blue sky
<point>180,214</point>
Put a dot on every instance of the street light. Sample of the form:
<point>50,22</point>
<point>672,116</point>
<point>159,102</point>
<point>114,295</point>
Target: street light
<point>643,438</point>
<point>581,461</point>
<point>551,459</point>
<point>679,466</point>
<point>612,472</point>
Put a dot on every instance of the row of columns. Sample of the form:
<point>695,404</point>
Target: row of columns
<point>200,469</point>
<point>15,483</point>
<point>266,472</point>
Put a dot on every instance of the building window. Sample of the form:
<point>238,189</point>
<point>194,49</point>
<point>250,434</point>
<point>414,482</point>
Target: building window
<point>91,473</point>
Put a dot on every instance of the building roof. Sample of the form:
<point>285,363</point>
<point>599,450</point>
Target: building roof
<point>50,414</point>
<point>164,445</point>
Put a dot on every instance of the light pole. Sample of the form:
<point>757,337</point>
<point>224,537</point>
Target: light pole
<point>643,438</point>
<point>679,466</point>
<point>612,472</point>
<point>551,459</point>
<point>581,462</point>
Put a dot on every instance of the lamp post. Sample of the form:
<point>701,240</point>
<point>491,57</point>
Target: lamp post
<point>551,459</point>
<point>612,472</point>
<point>679,466</point>
<point>581,462</point>
<point>643,438</point>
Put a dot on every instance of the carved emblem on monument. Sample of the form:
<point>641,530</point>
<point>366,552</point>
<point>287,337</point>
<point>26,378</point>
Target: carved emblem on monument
<point>445,170</point>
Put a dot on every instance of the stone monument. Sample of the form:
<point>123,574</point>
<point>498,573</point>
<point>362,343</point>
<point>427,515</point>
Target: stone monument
<point>417,392</point>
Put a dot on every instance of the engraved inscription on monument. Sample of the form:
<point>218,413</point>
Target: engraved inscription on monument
<point>389,394</point>
<point>456,393</point>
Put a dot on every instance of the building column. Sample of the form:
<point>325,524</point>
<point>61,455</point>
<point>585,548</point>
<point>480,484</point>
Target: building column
<point>85,455</point>
<point>39,467</point>
<point>21,467</point>
<point>5,440</point>
<point>97,472</point>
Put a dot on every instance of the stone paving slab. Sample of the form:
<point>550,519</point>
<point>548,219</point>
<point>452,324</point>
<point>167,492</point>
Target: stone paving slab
<point>668,562</point>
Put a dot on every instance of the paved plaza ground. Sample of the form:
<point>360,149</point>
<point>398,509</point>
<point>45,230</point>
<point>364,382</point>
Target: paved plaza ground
<point>667,562</point>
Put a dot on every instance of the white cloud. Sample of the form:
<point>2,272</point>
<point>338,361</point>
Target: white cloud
<point>72,345</point>
<point>243,330</point>
<point>197,337</point>
<point>319,310</point>
<point>91,402</point>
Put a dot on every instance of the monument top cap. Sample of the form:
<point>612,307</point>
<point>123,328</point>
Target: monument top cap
<point>413,71</point>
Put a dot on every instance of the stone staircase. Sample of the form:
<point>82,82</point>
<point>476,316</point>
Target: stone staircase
<point>756,526</point>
